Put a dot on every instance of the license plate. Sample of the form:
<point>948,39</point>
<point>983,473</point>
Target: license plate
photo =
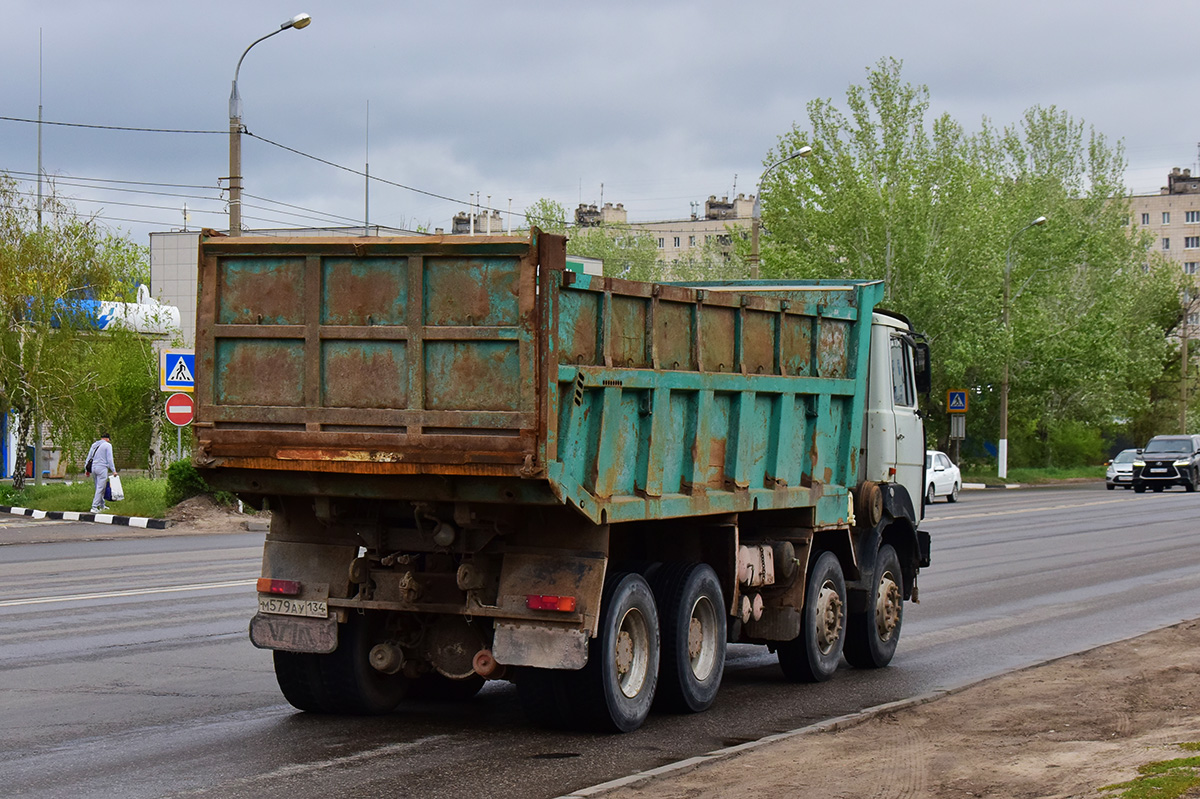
<point>1158,471</point>
<point>312,608</point>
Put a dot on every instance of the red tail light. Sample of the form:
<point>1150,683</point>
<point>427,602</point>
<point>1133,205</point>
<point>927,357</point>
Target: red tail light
<point>267,585</point>
<point>538,602</point>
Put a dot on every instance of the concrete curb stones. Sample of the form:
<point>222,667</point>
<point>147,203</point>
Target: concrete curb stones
<point>98,518</point>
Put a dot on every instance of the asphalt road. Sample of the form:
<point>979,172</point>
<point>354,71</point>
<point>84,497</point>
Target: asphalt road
<point>125,669</point>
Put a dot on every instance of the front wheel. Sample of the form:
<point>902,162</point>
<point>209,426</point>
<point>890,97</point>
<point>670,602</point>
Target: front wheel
<point>872,635</point>
<point>1190,485</point>
<point>1139,489</point>
<point>692,615</point>
<point>813,655</point>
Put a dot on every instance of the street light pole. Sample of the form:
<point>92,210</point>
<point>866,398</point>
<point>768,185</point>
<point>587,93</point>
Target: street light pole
<point>1002,455</point>
<point>756,223</point>
<point>235,129</point>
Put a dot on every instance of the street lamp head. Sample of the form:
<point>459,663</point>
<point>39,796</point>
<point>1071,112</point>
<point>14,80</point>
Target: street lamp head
<point>803,152</point>
<point>1041,220</point>
<point>299,21</point>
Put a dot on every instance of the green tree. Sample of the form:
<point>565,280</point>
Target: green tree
<point>53,365</point>
<point>890,194</point>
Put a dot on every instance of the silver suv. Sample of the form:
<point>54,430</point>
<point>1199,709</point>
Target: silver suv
<point>1168,461</point>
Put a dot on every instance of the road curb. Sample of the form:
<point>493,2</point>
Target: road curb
<point>982,486</point>
<point>98,518</point>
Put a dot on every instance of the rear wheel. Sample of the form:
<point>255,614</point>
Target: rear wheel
<point>930,494</point>
<point>616,687</point>
<point>872,635</point>
<point>953,496</point>
<point>342,682</point>
<point>813,655</point>
<point>692,615</point>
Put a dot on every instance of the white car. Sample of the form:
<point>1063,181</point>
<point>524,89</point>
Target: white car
<point>942,477</point>
<point>1120,470</point>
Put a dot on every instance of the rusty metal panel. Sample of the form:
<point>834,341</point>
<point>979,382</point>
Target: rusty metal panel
<point>629,332</point>
<point>673,334</point>
<point>758,337</point>
<point>718,333</point>
<point>259,372</point>
<point>578,332</point>
<point>266,291</point>
<point>471,291</point>
<point>472,375</point>
<point>364,374</point>
<point>364,291</point>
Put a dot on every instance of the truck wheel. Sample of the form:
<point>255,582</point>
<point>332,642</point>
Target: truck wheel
<point>617,684</point>
<point>691,611</point>
<point>299,678</point>
<point>871,636</point>
<point>352,685</point>
<point>813,655</point>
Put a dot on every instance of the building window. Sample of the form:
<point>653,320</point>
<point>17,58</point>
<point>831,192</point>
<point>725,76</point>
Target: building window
<point>1192,216</point>
<point>1166,244</point>
<point>677,242</point>
<point>691,241</point>
<point>1145,219</point>
<point>661,241</point>
<point>1189,267</point>
<point>1166,217</point>
<point>1191,242</point>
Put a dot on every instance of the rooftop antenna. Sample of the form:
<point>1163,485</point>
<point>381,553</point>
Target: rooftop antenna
<point>734,192</point>
<point>367,174</point>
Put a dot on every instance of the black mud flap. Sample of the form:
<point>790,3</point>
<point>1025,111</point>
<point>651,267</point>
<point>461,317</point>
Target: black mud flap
<point>294,634</point>
<point>923,542</point>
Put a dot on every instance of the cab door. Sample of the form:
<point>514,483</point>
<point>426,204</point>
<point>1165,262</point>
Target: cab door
<point>910,429</point>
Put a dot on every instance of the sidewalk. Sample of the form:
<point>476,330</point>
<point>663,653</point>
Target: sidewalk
<point>1060,730</point>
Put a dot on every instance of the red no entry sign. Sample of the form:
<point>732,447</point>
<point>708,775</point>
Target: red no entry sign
<point>180,410</point>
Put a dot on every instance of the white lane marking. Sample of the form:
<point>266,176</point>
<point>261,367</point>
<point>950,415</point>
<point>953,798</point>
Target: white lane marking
<point>1012,511</point>
<point>45,600</point>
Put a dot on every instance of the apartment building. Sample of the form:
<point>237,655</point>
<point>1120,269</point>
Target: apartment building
<point>1173,215</point>
<point>722,219</point>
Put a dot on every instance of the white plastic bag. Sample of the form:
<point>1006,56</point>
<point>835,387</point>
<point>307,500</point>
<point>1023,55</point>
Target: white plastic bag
<point>114,485</point>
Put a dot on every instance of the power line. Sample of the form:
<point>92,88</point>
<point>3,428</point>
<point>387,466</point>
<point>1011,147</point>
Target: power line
<point>110,127</point>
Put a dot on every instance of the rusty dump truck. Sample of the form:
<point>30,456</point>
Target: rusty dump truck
<point>481,464</point>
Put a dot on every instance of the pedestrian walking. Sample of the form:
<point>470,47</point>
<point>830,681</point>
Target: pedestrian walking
<point>100,463</point>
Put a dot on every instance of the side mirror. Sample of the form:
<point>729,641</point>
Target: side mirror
<point>924,376</point>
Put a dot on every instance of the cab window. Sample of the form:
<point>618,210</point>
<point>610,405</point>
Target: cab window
<point>904,391</point>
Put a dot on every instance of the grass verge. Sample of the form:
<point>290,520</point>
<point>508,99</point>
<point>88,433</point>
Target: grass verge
<point>143,497</point>
<point>1163,779</point>
<point>1028,476</point>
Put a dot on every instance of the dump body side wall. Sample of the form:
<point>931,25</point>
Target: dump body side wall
<point>678,401</point>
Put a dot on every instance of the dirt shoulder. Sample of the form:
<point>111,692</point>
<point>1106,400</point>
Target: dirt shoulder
<point>1064,729</point>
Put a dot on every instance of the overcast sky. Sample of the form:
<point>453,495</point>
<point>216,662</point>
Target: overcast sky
<point>652,104</point>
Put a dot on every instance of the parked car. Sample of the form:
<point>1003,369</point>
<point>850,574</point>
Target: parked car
<point>942,477</point>
<point>1120,470</point>
<point>1168,461</point>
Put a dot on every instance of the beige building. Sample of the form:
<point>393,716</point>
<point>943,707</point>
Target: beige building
<point>722,219</point>
<point>1173,216</point>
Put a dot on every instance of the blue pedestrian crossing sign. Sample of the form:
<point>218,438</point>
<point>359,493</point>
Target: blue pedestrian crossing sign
<point>177,370</point>
<point>956,400</point>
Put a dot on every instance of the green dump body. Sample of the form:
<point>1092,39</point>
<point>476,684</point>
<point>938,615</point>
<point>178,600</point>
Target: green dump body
<point>482,369</point>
